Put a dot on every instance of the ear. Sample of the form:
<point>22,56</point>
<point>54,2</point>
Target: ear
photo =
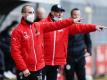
<point>52,12</point>
<point>23,14</point>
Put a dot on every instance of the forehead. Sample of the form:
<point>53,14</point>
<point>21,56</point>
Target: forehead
<point>59,12</point>
<point>40,10</point>
<point>29,9</point>
<point>76,12</point>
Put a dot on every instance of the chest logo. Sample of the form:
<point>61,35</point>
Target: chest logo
<point>26,36</point>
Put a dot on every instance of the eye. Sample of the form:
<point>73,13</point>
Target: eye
<point>31,12</point>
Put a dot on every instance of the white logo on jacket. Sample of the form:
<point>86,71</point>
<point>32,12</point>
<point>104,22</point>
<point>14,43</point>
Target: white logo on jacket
<point>26,35</point>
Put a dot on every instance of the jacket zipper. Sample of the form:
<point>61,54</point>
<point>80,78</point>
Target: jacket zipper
<point>33,46</point>
<point>53,58</point>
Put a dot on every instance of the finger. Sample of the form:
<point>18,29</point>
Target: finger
<point>99,29</point>
<point>27,74</point>
<point>104,27</point>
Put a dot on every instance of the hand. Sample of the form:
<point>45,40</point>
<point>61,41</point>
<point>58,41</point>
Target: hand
<point>26,73</point>
<point>85,50</point>
<point>87,54</point>
<point>78,20</point>
<point>61,68</point>
<point>100,28</point>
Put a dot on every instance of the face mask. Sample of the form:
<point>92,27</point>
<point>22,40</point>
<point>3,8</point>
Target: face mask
<point>57,19</point>
<point>30,18</point>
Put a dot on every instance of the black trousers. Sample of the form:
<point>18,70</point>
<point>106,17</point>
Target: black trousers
<point>75,66</point>
<point>8,61</point>
<point>51,72</point>
<point>36,75</point>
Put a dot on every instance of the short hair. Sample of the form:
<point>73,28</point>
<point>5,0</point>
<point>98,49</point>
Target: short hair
<point>74,9</point>
<point>24,8</point>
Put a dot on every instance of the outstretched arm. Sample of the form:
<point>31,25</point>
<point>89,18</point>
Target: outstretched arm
<point>81,28</point>
<point>51,26</point>
<point>84,28</point>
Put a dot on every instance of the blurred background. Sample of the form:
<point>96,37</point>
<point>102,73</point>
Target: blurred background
<point>93,11</point>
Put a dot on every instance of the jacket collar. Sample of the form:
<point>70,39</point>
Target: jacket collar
<point>23,21</point>
<point>50,17</point>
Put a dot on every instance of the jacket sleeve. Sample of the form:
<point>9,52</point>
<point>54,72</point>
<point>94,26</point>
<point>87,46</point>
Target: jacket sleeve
<point>16,50</point>
<point>81,28</point>
<point>51,26</point>
<point>88,43</point>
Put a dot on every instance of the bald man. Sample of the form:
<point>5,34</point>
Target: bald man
<point>40,14</point>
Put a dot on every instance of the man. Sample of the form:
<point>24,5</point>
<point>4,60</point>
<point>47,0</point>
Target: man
<point>55,43</point>
<point>40,14</point>
<point>27,43</point>
<point>78,46</point>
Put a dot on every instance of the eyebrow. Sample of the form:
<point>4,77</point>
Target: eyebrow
<point>30,12</point>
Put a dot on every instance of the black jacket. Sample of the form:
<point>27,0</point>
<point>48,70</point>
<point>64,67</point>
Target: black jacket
<point>77,44</point>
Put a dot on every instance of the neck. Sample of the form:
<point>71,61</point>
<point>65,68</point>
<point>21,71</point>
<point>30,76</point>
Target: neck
<point>37,19</point>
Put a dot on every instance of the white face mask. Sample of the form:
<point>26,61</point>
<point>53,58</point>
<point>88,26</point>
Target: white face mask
<point>57,18</point>
<point>30,18</point>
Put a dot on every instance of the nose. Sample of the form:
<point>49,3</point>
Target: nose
<point>59,15</point>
